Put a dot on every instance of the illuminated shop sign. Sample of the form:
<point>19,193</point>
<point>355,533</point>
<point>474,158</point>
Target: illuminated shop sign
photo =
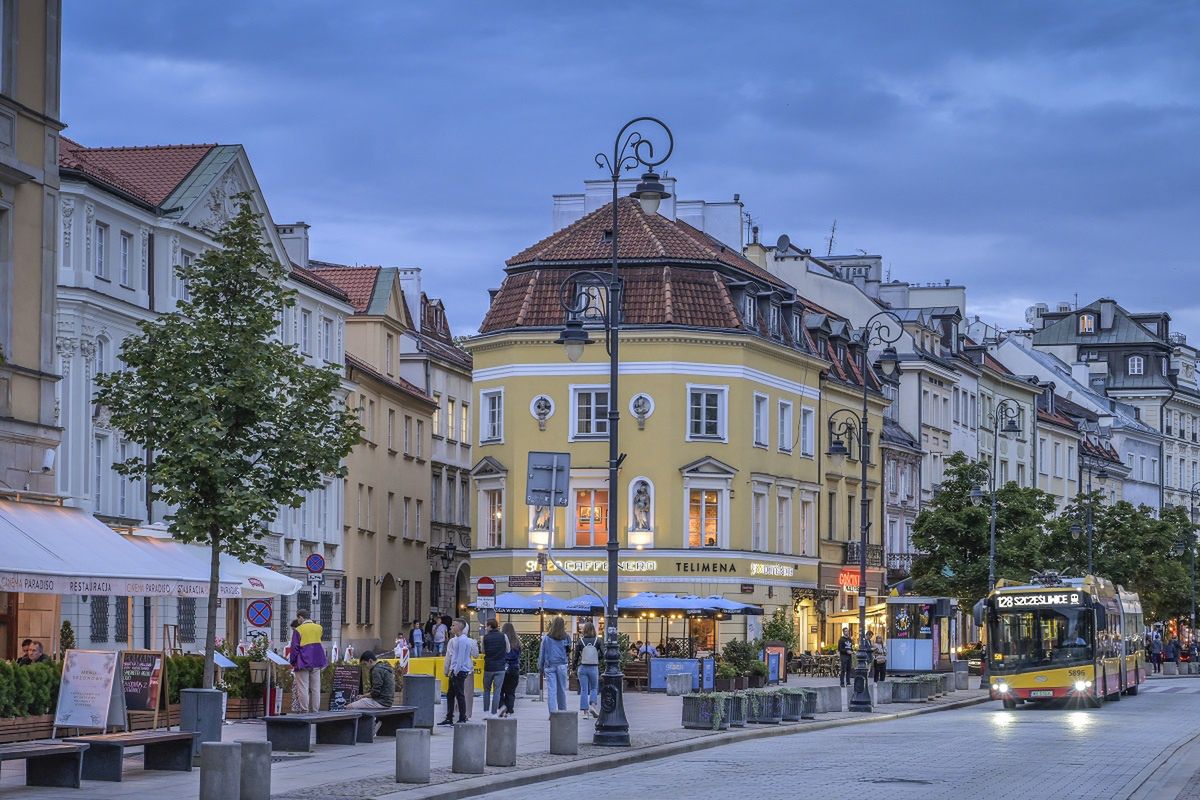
<point>600,565</point>
<point>596,565</point>
<point>1038,600</point>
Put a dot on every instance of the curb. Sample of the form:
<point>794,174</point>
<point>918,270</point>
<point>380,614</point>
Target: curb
<point>471,787</point>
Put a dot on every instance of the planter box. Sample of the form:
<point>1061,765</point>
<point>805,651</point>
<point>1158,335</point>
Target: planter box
<point>793,706</point>
<point>1170,668</point>
<point>883,692</point>
<point>765,709</point>
<point>698,712</point>
<point>725,684</point>
<point>948,682</point>
<point>741,683</point>
<point>24,729</point>
<point>735,711</point>
<point>828,699</point>
<point>905,692</point>
<point>757,681</point>
<point>144,720</point>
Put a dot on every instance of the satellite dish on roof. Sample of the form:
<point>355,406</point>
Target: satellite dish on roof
<point>783,244</point>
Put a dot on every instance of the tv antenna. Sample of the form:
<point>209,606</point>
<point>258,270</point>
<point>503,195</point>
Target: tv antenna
<point>832,237</point>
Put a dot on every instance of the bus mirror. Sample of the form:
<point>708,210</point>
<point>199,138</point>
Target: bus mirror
<point>978,611</point>
<point>1101,619</point>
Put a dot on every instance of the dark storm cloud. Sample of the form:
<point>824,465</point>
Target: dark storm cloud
<point>1031,150</point>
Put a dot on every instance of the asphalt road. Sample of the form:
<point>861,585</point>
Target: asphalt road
<point>982,751</point>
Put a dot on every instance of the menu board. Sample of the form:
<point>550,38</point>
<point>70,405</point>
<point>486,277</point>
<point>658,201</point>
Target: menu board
<point>141,679</point>
<point>347,684</point>
<point>90,694</point>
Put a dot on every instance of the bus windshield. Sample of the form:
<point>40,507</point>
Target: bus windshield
<point>1042,637</point>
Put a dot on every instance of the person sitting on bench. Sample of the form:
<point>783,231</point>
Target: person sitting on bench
<point>383,684</point>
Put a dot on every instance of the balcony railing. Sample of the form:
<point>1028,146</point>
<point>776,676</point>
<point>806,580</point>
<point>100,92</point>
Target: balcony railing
<point>874,554</point>
<point>900,563</point>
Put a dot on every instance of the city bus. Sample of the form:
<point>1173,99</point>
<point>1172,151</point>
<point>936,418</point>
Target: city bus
<point>1060,638</point>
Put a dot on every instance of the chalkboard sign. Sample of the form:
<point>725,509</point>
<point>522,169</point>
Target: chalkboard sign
<point>141,679</point>
<point>347,684</point>
<point>90,694</point>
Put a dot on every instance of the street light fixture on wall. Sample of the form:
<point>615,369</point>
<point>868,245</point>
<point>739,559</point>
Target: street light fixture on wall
<point>600,294</point>
<point>883,328</point>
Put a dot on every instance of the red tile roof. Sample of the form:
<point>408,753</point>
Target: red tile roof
<point>150,174</point>
<point>317,282</point>
<point>1055,419</point>
<point>357,282</point>
<point>395,382</point>
<point>643,238</point>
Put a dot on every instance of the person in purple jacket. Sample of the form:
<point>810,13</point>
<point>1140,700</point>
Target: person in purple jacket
<point>308,659</point>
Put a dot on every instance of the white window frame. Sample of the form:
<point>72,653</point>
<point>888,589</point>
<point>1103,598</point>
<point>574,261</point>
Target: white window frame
<point>1043,465</point>
<point>760,519</point>
<point>327,343</point>
<point>721,487</point>
<point>774,319</point>
<point>722,393</point>
<point>577,392</point>
<point>750,310</point>
<point>1070,466</point>
<point>126,249</point>
<point>1136,365</point>
<point>785,509</point>
<point>585,481</point>
<point>808,430</point>
<point>784,433</point>
<point>306,331</point>
<point>100,252</point>
<point>1090,326</point>
<point>491,432</point>
<point>389,346</point>
<point>762,419</point>
<point>1058,461</point>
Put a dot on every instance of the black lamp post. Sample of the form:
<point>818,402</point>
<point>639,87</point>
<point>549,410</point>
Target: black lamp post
<point>1006,413</point>
<point>878,330</point>
<point>590,295</point>
<point>1191,544</point>
<point>1100,473</point>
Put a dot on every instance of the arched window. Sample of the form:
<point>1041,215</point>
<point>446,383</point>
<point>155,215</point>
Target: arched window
<point>101,363</point>
<point>1087,323</point>
<point>1137,365</point>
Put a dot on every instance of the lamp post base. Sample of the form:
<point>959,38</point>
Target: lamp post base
<point>860,697</point>
<point>612,729</point>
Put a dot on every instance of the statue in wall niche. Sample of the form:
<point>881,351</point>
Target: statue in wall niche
<point>641,410</point>
<point>641,506</point>
<point>541,410</point>
<point>541,518</point>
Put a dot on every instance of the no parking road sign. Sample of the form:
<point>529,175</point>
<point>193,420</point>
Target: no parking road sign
<point>258,613</point>
<point>315,563</point>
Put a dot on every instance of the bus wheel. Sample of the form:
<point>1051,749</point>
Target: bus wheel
<point>1010,704</point>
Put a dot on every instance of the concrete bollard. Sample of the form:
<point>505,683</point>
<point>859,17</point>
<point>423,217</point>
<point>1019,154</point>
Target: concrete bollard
<point>678,685</point>
<point>830,699</point>
<point>470,747</point>
<point>412,755</point>
<point>883,692</point>
<point>1170,668</point>
<point>564,733</point>
<point>501,742</point>
<point>256,770</point>
<point>220,771</point>
<point>533,684</point>
<point>421,692</point>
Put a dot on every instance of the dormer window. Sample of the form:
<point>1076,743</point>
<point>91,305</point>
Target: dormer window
<point>1137,365</point>
<point>797,334</point>
<point>749,306</point>
<point>1087,323</point>
<point>774,320</point>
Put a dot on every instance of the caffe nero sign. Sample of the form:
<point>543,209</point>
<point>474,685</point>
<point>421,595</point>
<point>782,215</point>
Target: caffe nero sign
<point>1038,600</point>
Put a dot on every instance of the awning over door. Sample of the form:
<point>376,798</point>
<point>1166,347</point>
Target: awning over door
<point>51,549</point>
<point>252,580</point>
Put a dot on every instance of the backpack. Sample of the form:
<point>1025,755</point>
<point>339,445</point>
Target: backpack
<point>590,656</point>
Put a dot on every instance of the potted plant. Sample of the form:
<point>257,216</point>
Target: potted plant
<point>706,711</point>
<point>758,675</point>
<point>765,708</point>
<point>798,703</point>
<point>726,677</point>
<point>736,707</point>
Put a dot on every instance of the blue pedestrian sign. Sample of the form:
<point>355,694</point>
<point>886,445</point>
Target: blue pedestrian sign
<point>315,563</point>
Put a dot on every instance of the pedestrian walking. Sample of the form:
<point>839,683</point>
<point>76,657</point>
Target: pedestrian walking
<point>879,658</point>
<point>552,663</point>
<point>587,667</point>
<point>1174,650</point>
<point>512,670</point>
<point>1156,652</point>
<point>439,637</point>
<point>495,649</point>
<point>1194,651</point>
<point>845,649</point>
<point>418,638</point>
<point>382,679</point>
<point>458,667</point>
<point>307,657</point>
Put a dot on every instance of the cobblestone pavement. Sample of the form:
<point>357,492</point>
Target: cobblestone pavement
<point>981,751</point>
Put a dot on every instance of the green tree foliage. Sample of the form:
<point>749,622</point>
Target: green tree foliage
<point>66,638</point>
<point>238,423</point>
<point>780,628</point>
<point>953,532</point>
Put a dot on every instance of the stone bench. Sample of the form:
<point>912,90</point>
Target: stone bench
<point>294,731</point>
<point>390,720</point>
<point>49,763</point>
<point>161,750</point>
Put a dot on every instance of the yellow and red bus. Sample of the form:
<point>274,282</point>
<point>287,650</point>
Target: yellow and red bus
<point>1063,638</point>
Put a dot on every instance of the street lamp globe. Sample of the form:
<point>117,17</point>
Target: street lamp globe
<point>1011,426</point>
<point>976,496</point>
<point>650,192</point>
<point>837,453</point>
<point>888,362</point>
<point>1076,530</point>
<point>574,338</point>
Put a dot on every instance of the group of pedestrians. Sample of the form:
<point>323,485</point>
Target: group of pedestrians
<point>501,669</point>
<point>846,648</point>
<point>557,656</point>
<point>428,639</point>
<point>1171,650</point>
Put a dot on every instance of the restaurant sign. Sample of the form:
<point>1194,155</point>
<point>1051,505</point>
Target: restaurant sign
<point>112,587</point>
<point>673,567</point>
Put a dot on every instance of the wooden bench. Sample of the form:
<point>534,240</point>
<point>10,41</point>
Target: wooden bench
<point>636,673</point>
<point>48,763</point>
<point>390,720</point>
<point>293,732</point>
<point>161,750</point>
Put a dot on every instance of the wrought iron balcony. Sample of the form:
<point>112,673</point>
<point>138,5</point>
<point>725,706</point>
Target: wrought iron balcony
<point>874,554</point>
<point>900,563</point>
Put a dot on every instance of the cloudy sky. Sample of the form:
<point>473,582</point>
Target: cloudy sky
<point>1031,150</point>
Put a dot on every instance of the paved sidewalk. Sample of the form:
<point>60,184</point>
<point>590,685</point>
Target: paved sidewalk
<point>367,771</point>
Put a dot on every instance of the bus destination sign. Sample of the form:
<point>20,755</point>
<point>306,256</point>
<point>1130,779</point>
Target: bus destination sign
<point>1038,600</point>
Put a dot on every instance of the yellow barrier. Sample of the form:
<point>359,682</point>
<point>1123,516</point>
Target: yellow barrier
<point>433,665</point>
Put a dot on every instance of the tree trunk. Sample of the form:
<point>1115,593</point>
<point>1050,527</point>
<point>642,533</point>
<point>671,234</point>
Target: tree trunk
<point>214,586</point>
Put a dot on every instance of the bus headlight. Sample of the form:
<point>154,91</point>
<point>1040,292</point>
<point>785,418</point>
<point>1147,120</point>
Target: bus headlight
<point>1001,688</point>
<point>1082,686</point>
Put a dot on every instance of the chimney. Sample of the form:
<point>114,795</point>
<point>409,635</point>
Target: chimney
<point>1080,372</point>
<point>1107,310</point>
<point>295,241</point>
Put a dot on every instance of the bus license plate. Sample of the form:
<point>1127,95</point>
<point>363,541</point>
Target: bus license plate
<point>1042,693</point>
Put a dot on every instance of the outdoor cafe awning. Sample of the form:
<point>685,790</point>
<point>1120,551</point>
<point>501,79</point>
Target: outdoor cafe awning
<point>252,580</point>
<point>46,548</point>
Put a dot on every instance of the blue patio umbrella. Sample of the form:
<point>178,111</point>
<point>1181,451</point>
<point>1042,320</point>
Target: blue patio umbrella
<point>516,603</point>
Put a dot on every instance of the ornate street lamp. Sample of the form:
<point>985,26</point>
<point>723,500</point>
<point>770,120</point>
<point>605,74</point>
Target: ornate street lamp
<point>1076,530</point>
<point>600,293</point>
<point>1005,416</point>
<point>878,330</point>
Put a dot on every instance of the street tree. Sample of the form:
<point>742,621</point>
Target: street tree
<point>238,425</point>
<point>953,534</point>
